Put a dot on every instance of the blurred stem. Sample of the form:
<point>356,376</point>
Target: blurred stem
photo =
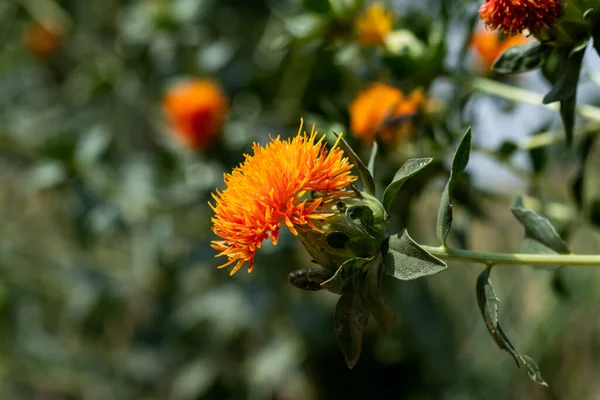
<point>551,137</point>
<point>44,10</point>
<point>513,258</point>
<point>525,96</point>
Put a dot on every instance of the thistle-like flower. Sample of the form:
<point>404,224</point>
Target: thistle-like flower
<point>379,104</point>
<point>196,111</point>
<point>373,26</point>
<point>43,40</point>
<point>269,190</point>
<point>489,45</point>
<point>515,16</point>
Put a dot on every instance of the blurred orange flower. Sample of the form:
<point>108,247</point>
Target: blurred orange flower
<point>514,16</point>
<point>380,103</point>
<point>373,26</point>
<point>197,111</point>
<point>42,40</point>
<point>490,44</point>
<point>265,191</point>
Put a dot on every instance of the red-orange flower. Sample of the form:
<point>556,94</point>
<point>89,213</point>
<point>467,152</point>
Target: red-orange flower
<point>514,16</point>
<point>197,110</point>
<point>380,103</point>
<point>490,44</point>
<point>266,191</point>
<point>373,26</point>
<point>42,40</point>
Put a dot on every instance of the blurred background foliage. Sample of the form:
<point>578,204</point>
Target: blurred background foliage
<point>108,286</point>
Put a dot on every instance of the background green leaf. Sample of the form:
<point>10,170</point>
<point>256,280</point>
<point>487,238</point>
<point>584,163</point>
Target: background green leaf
<point>565,89</point>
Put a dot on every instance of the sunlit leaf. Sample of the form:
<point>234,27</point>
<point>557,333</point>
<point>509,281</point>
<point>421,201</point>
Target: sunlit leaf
<point>409,169</point>
<point>372,157</point>
<point>459,163</point>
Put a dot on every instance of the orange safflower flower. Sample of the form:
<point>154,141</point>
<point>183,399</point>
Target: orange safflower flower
<point>42,40</point>
<point>197,111</point>
<point>373,26</point>
<point>379,103</point>
<point>490,44</point>
<point>266,191</point>
<point>514,16</point>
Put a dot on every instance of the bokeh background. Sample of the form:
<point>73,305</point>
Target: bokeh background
<point>108,285</point>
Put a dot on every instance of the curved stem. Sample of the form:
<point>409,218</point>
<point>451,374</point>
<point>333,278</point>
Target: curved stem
<point>513,258</point>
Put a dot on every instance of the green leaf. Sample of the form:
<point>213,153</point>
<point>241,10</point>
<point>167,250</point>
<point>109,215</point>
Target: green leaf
<point>489,305</point>
<point>409,169</point>
<point>461,156</point>
<point>372,157</point>
<point>522,58</point>
<point>565,89</point>
<point>590,190</point>
<point>459,163</point>
<point>538,229</point>
<point>596,38</point>
<point>507,149</point>
<point>566,85</point>
<point>351,316</point>
<point>381,312</point>
<point>363,171</point>
<point>444,220</point>
<point>345,9</point>
<point>307,26</point>
<point>567,115</point>
<point>348,277</point>
<point>318,6</point>
<point>405,260</point>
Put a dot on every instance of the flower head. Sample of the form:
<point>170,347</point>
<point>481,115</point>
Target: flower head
<point>373,26</point>
<point>42,40</point>
<point>514,16</point>
<point>196,110</point>
<point>374,107</point>
<point>266,191</point>
<point>490,44</point>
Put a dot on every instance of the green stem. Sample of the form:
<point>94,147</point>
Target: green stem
<point>525,96</point>
<point>513,258</point>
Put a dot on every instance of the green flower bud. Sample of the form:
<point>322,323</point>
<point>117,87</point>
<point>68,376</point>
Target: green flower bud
<point>356,228</point>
